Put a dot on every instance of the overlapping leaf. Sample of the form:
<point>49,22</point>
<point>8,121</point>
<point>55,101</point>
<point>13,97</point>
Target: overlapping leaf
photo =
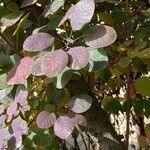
<point>54,62</point>
<point>11,18</point>
<point>79,57</point>
<point>80,14</point>
<point>28,3</point>
<point>63,127</point>
<point>98,60</point>
<point>45,119</point>
<point>100,36</point>
<point>37,42</point>
<point>20,71</point>
<point>80,103</point>
<point>79,119</point>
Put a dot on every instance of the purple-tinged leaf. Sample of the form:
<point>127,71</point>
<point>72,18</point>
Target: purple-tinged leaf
<point>37,42</point>
<point>28,3</point>
<point>20,71</point>
<point>11,18</point>
<point>36,70</point>
<point>12,110</point>
<point>19,125</point>
<point>80,14</point>
<point>100,36</point>
<point>45,119</point>
<point>63,127</point>
<point>79,119</point>
<point>54,62</point>
<point>79,57</point>
<point>80,103</point>
<point>21,95</point>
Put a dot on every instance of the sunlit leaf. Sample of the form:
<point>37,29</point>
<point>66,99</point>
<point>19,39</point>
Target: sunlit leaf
<point>98,60</point>
<point>12,110</point>
<point>21,95</point>
<point>80,14</point>
<point>53,7</point>
<point>124,62</point>
<point>79,57</point>
<point>28,3</point>
<point>38,41</point>
<point>5,92</point>
<point>80,103</point>
<point>63,127</point>
<point>11,18</point>
<point>100,36</point>
<point>142,86</point>
<point>54,62</point>
<point>63,78</point>
<point>19,125</point>
<point>20,71</point>
<point>45,119</point>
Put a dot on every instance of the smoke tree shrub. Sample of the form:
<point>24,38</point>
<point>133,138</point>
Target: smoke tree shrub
<point>44,47</point>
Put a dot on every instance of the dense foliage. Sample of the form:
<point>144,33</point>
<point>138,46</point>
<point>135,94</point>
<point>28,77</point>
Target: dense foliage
<point>60,58</point>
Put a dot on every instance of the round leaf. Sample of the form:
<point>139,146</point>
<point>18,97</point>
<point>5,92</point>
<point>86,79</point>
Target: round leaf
<point>45,119</point>
<point>80,103</point>
<point>80,14</point>
<point>100,36</point>
<point>79,57</point>
<point>63,127</point>
<point>142,86</point>
<point>54,62</point>
<point>20,71</point>
<point>37,42</point>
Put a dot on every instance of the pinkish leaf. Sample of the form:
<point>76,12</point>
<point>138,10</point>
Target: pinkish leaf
<point>18,139</point>
<point>80,103</point>
<point>63,127</point>
<point>79,119</point>
<point>37,42</point>
<point>80,14</point>
<point>79,56</point>
<point>12,110</point>
<point>21,95</point>
<point>100,36</point>
<point>28,3</point>
<point>19,125</point>
<point>54,62</point>
<point>20,71</point>
<point>45,119</point>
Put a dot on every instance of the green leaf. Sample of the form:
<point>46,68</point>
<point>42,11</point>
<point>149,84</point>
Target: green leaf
<point>3,11</point>
<point>63,78</point>
<point>124,62</point>
<point>143,86</point>
<point>144,53</point>
<point>106,17</point>
<point>42,140</point>
<point>3,81</point>
<point>53,7</point>
<point>56,96</point>
<point>98,60</point>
